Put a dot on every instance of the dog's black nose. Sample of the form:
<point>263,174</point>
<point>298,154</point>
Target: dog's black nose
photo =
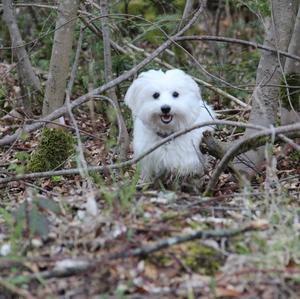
<point>165,109</point>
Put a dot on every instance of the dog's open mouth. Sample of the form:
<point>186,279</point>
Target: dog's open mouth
<point>166,118</point>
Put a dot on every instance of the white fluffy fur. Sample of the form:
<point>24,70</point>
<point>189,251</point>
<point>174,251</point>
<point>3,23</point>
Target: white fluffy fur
<point>182,155</point>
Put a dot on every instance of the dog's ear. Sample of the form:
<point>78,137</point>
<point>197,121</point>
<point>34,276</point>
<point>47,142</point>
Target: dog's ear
<point>131,95</point>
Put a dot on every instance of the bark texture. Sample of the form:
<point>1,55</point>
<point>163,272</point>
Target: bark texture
<point>265,99</point>
<point>30,83</point>
<point>60,57</point>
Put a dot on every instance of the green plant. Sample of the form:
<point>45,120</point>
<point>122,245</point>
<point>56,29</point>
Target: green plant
<point>121,190</point>
<point>127,190</point>
<point>19,166</point>
<point>33,216</point>
<point>202,259</point>
<point>14,230</point>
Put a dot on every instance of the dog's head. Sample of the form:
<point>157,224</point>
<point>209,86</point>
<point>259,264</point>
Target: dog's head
<point>164,101</point>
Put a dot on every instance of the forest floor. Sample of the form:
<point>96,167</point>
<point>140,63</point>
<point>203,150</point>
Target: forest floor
<point>52,247</point>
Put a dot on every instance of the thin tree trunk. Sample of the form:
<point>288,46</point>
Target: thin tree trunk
<point>29,82</point>
<point>290,106</point>
<point>60,57</point>
<point>279,30</point>
<point>292,66</point>
<point>123,139</point>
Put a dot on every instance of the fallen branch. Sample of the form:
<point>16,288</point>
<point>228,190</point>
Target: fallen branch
<point>84,98</point>
<point>244,144</point>
<point>73,171</point>
<point>163,244</point>
<point>69,267</point>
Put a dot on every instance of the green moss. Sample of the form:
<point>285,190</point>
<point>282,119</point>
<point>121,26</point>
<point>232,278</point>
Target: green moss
<point>202,259</point>
<point>55,147</point>
<point>295,156</point>
<point>292,80</point>
<point>161,259</point>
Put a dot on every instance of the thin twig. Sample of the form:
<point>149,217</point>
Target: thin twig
<point>123,138</point>
<point>203,83</point>
<point>82,165</point>
<point>290,142</point>
<point>217,90</point>
<point>238,41</point>
<point>186,12</point>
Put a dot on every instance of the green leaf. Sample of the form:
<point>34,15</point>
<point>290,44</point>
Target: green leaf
<point>22,156</point>
<point>24,136</point>
<point>56,178</point>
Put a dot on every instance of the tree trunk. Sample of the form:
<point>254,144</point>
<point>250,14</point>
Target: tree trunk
<point>123,139</point>
<point>292,66</point>
<point>29,82</point>
<point>279,29</point>
<point>290,99</point>
<point>60,57</point>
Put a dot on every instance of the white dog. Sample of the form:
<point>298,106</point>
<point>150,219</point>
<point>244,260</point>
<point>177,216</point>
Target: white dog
<point>163,103</point>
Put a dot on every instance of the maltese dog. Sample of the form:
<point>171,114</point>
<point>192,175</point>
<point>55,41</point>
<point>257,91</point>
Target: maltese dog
<point>163,103</point>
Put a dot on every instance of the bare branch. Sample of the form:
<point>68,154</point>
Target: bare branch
<point>203,83</point>
<point>70,267</point>
<point>250,142</point>
<point>290,142</point>
<point>82,165</point>
<point>84,98</point>
<point>254,45</point>
<point>129,162</point>
<point>186,12</point>
<point>166,243</point>
<point>117,47</point>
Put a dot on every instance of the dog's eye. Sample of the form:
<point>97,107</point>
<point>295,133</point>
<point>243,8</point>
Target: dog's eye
<point>175,94</point>
<point>156,95</point>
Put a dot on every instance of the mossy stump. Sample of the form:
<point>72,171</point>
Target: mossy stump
<point>54,148</point>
